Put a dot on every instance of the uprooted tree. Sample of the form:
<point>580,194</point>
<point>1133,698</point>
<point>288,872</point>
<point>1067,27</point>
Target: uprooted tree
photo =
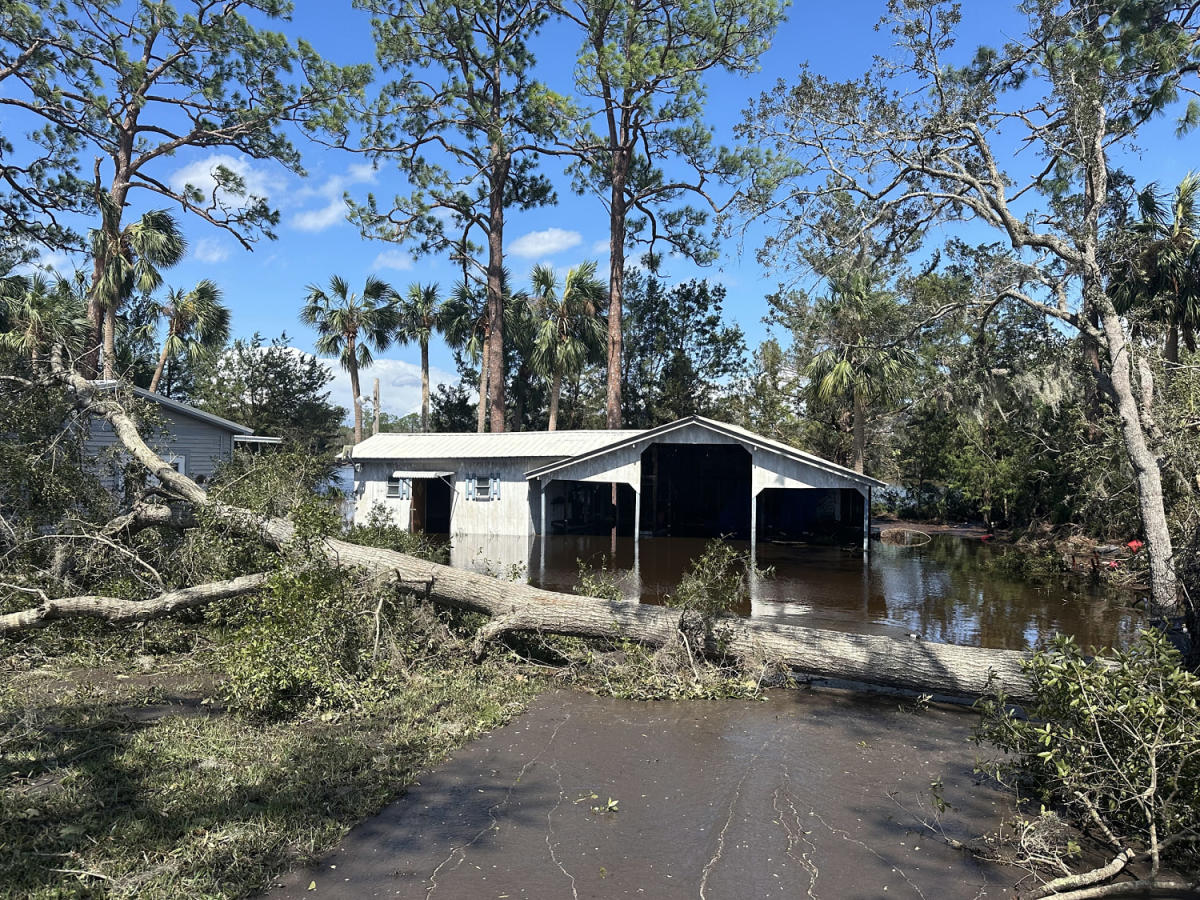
<point>178,503</point>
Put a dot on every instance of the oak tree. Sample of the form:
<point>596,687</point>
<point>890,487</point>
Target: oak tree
<point>927,139</point>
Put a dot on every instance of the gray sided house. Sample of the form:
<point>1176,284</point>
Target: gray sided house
<point>692,478</point>
<point>193,441</point>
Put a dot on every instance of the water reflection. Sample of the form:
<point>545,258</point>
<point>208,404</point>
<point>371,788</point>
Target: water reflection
<point>940,591</point>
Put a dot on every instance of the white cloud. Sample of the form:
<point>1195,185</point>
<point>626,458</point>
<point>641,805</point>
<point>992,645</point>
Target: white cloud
<point>392,259</point>
<point>332,213</point>
<point>57,261</point>
<point>545,243</point>
<point>207,250</point>
<point>259,182</point>
<point>331,191</point>
<point>399,385</point>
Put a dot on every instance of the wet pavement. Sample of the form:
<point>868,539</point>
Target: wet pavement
<point>813,793</point>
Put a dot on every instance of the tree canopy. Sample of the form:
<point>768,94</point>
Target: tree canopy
<point>274,389</point>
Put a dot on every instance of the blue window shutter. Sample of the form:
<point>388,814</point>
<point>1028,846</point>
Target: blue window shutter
<point>470,487</point>
<point>496,486</point>
<point>406,488</point>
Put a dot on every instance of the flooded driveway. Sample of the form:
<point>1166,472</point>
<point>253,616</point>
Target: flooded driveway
<point>947,591</point>
<point>812,793</point>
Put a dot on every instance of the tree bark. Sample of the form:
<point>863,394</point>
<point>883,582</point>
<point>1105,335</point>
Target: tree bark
<point>150,515</point>
<point>110,343</point>
<point>616,286</point>
<point>555,390</point>
<point>118,611</point>
<point>481,415</point>
<point>495,297</point>
<point>375,408</point>
<point>358,417</point>
<point>1163,584</point>
<point>1164,589</point>
<point>425,384</point>
<point>859,428</point>
<point>162,364</point>
<point>1171,350</point>
<point>89,364</point>
<point>876,659</point>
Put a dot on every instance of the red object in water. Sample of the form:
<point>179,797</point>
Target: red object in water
<point>1135,545</point>
<point>1112,563</point>
<point>986,537</point>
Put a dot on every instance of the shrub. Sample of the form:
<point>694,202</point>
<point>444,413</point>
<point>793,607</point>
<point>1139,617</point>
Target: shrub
<point>1113,743</point>
<point>600,582</point>
<point>305,642</point>
<point>380,530</point>
<point>715,584</point>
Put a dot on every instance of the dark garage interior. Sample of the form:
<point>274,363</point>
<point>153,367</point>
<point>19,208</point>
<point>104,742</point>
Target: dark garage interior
<point>696,490</point>
<point>586,507</point>
<point>810,515</point>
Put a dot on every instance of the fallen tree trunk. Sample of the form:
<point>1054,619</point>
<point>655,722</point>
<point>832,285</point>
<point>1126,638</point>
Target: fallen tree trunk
<point>919,665</point>
<point>876,659</point>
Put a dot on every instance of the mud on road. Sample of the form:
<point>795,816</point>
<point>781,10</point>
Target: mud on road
<point>812,793</point>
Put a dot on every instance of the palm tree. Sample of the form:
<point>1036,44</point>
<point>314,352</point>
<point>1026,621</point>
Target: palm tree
<point>852,369</point>
<point>420,316</point>
<point>570,332</point>
<point>197,325</point>
<point>41,315</point>
<point>349,325</point>
<point>1162,273</point>
<point>520,335</point>
<point>130,262</point>
<point>466,328</point>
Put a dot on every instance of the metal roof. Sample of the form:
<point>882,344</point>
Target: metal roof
<point>176,406</point>
<point>549,445</point>
<point>733,431</point>
<point>189,410</point>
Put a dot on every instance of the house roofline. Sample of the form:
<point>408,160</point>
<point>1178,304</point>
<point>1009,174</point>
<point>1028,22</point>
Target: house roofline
<point>179,407</point>
<point>720,428</point>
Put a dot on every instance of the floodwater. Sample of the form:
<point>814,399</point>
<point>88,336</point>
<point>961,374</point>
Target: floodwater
<point>811,793</point>
<point>943,591</point>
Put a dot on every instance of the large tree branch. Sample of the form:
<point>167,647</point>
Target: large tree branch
<point>118,611</point>
<point>149,515</point>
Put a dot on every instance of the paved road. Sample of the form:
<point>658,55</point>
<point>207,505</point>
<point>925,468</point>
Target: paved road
<point>809,794</point>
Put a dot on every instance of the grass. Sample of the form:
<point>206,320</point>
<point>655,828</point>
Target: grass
<point>123,785</point>
<point>123,775</point>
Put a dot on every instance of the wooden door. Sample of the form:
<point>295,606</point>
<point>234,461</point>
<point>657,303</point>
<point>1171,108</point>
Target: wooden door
<point>419,494</point>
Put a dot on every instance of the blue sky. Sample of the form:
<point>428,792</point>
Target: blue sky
<point>265,288</point>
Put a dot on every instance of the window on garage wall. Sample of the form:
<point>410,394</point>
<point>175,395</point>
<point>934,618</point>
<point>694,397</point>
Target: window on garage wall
<point>483,487</point>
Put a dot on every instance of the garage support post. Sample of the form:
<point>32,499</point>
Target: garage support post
<point>542,529</point>
<point>867,520</point>
<point>637,525</point>
<point>753,524</point>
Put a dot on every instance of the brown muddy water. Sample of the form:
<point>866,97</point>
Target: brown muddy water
<point>946,590</point>
<point>811,793</point>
